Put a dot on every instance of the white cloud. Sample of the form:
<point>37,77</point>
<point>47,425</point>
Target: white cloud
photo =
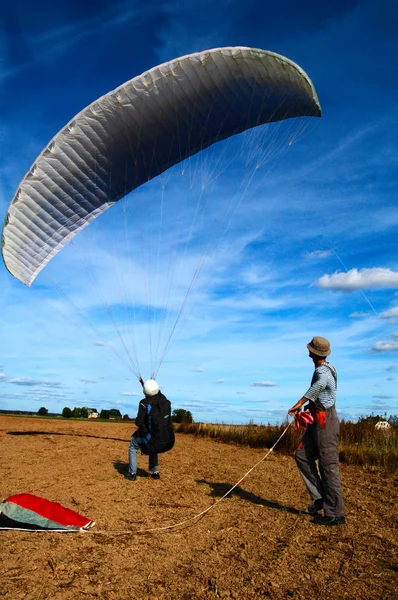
<point>362,279</point>
<point>387,346</point>
<point>358,315</point>
<point>389,314</point>
<point>219,381</point>
<point>130,394</point>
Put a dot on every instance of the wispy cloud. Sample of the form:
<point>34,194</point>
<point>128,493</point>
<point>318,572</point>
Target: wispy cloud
<point>318,254</point>
<point>264,384</point>
<point>26,381</point>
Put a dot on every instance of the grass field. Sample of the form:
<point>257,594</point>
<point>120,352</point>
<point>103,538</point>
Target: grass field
<point>360,443</point>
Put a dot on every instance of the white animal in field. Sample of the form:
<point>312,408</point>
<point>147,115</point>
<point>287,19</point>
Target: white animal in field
<point>383,425</point>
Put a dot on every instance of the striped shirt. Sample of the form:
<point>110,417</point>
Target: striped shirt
<point>323,386</point>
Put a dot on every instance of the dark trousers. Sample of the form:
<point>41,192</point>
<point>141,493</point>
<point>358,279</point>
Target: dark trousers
<point>317,458</point>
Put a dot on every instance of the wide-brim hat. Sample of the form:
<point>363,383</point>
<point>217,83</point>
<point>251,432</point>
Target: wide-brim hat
<point>319,346</point>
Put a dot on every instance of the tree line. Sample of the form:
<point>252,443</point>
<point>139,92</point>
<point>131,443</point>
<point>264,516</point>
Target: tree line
<point>179,415</point>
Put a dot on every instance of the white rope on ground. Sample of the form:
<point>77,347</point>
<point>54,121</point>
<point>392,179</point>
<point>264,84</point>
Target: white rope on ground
<point>201,514</point>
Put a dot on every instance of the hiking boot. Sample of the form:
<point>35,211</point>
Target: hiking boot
<point>131,476</point>
<point>155,476</point>
<point>329,521</point>
<point>317,506</point>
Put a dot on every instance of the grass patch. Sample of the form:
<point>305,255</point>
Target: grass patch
<point>360,443</point>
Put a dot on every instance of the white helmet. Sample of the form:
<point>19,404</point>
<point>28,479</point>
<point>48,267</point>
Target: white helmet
<point>151,388</point>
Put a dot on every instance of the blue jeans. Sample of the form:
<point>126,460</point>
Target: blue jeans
<point>133,449</point>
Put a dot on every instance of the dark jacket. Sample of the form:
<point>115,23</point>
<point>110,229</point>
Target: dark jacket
<point>155,432</point>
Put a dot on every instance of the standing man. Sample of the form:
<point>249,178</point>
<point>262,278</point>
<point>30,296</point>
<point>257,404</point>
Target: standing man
<point>320,440</point>
<point>155,433</point>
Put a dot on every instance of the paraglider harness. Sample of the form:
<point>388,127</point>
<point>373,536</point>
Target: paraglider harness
<point>155,433</point>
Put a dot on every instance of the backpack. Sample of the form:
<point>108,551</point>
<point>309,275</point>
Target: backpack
<point>160,426</point>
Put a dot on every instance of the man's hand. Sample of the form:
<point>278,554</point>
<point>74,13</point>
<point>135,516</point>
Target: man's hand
<point>294,410</point>
<point>297,407</point>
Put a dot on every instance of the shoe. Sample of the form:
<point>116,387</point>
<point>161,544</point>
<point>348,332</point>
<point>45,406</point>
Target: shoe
<point>155,476</point>
<point>330,521</point>
<point>317,506</point>
<point>131,476</point>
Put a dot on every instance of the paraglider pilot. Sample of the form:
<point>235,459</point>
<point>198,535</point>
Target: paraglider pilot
<point>155,433</point>
<point>320,439</point>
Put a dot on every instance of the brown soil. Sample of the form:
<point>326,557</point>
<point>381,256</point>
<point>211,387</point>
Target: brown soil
<point>257,543</point>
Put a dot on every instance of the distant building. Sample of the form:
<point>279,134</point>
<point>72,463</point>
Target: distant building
<point>93,415</point>
<point>383,425</point>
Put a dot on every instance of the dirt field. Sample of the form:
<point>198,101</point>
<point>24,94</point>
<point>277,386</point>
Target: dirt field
<point>257,543</point>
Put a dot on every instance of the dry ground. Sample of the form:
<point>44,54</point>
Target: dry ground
<point>258,543</point>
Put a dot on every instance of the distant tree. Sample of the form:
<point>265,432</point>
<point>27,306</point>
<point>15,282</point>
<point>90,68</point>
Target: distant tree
<point>43,412</point>
<point>92,410</point>
<point>373,419</point>
<point>126,418</point>
<point>67,412</point>
<point>115,412</point>
<point>393,420</point>
<point>112,412</point>
<point>179,415</point>
<point>80,413</point>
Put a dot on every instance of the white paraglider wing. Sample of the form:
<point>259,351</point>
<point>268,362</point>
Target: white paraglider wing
<point>136,132</point>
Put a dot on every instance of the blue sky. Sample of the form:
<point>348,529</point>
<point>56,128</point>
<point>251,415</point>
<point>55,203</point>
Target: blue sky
<point>312,248</point>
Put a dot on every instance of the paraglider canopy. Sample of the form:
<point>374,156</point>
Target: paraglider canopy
<point>139,130</point>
